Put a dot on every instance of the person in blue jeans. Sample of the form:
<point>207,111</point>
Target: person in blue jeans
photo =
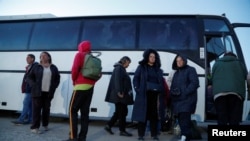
<point>26,115</point>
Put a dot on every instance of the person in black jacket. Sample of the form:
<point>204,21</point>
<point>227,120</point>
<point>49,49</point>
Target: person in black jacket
<point>120,93</point>
<point>183,93</point>
<point>26,115</point>
<point>148,83</point>
<point>44,78</point>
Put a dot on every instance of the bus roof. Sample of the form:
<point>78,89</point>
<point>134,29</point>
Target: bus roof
<point>30,16</point>
<point>51,16</point>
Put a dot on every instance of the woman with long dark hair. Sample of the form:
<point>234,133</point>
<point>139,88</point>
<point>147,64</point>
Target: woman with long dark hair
<point>44,78</point>
<point>148,84</point>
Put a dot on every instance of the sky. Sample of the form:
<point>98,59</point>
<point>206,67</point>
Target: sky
<point>235,10</point>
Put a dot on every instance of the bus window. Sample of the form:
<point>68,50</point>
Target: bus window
<point>93,31</point>
<point>55,35</point>
<point>215,46</point>
<point>14,36</point>
<point>219,45</point>
<point>153,33</point>
<point>110,34</point>
<point>215,25</point>
<point>229,44</point>
<point>172,34</point>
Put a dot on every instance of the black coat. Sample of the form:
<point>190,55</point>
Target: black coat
<point>139,81</point>
<point>119,82</point>
<point>35,80</point>
<point>186,80</point>
<point>26,88</point>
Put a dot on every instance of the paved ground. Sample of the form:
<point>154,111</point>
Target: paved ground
<point>58,131</point>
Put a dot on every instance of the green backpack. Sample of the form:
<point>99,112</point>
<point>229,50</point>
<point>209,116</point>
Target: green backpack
<point>92,67</point>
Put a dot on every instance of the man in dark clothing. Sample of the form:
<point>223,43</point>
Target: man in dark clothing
<point>26,115</point>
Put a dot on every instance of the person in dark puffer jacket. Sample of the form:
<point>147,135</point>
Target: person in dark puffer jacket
<point>183,92</point>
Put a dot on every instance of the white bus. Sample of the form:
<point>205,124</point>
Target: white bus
<point>202,38</point>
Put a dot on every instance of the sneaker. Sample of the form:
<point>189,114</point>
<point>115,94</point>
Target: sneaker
<point>18,122</point>
<point>36,131</point>
<point>183,138</point>
<point>108,129</point>
<point>46,128</point>
<point>125,133</point>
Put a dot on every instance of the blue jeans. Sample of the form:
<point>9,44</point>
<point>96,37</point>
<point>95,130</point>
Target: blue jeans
<point>26,115</point>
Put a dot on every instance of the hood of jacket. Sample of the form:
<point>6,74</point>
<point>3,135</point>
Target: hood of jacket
<point>84,46</point>
<point>228,59</point>
<point>146,54</point>
<point>174,64</point>
<point>118,64</point>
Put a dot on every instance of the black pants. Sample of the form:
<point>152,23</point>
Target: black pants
<point>80,100</point>
<point>152,115</point>
<point>41,104</point>
<point>184,119</point>
<point>121,111</point>
<point>229,110</point>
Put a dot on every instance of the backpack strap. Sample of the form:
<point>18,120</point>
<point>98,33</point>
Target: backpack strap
<point>96,52</point>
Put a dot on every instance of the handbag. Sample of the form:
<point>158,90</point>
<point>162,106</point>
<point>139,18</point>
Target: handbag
<point>151,86</point>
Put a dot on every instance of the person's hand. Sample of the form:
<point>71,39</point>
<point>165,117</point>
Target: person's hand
<point>121,95</point>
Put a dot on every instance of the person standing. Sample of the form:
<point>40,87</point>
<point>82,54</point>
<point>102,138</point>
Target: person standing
<point>44,78</point>
<point>26,114</point>
<point>229,88</point>
<point>183,93</point>
<point>82,94</point>
<point>121,94</point>
<point>148,84</point>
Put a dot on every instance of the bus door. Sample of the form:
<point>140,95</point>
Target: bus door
<point>214,46</point>
<point>243,31</point>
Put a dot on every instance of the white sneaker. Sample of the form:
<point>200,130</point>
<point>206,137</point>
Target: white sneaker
<point>36,131</point>
<point>183,138</point>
